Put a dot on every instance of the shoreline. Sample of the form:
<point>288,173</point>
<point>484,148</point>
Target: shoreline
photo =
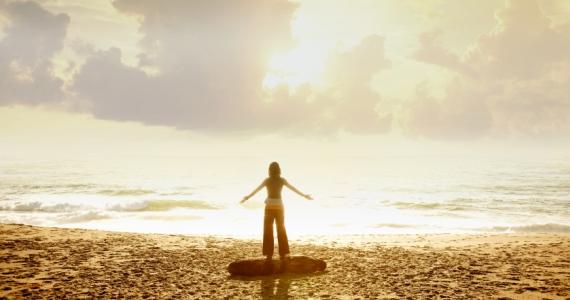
<point>50,262</point>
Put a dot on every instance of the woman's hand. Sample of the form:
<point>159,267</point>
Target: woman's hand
<point>308,197</point>
<point>244,199</point>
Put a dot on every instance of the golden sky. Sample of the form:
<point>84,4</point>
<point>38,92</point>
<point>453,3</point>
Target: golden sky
<point>203,74</point>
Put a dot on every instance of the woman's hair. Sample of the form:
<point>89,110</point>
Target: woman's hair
<point>274,170</point>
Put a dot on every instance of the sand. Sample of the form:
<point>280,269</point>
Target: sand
<point>38,262</point>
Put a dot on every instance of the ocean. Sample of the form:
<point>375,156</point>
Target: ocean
<point>352,195</point>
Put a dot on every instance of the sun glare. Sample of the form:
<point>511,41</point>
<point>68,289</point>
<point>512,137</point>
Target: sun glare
<point>302,65</point>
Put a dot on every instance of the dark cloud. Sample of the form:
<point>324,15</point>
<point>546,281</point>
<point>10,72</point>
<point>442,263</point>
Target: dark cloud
<point>32,38</point>
<point>211,58</point>
<point>201,67</point>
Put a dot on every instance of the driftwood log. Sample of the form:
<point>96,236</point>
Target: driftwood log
<point>294,264</point>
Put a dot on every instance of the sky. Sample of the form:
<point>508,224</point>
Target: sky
<point>285,77</point>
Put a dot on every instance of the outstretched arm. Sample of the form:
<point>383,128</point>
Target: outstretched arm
<point>294,189</point>
<point>253,193</point>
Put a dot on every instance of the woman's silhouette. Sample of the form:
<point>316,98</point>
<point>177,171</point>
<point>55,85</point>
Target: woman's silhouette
<point>274,211</point>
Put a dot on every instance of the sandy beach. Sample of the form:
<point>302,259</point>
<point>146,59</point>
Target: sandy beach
<point>39,262</point>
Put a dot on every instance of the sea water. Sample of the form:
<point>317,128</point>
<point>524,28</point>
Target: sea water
<point>352,195</point>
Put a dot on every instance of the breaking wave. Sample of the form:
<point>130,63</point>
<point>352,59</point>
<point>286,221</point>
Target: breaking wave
<point>125,192</point>
<point>37,206</point>
<point>535,228</point>
<point>130,206</point>
<point>432,206</point>
<point>393,225</point>
<point>161,205</point>
<point>81,188</point>
<point>172,218</point>
<point>82,217</point>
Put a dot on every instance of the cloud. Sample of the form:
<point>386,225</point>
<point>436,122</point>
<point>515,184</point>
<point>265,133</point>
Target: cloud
<point>513,81</point>
<point>201,67</point>
<point>347,103</point>
<point>31,39</point>
<point>461,115</point>
<point>208,62</point>
<point>210,57</point>
<point>431,52</point>
<point>357,107</point>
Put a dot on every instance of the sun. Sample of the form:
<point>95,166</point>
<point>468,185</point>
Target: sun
<point>302,65</point>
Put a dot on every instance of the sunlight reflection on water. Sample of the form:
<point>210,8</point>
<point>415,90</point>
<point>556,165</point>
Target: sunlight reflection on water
<point>200,195</point>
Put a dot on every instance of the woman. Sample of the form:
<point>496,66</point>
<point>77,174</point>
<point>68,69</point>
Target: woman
<point>274,211</point>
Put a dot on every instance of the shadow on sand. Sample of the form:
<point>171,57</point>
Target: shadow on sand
<point>276,286</point>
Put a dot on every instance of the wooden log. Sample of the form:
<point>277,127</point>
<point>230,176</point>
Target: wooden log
<point>294,264</point>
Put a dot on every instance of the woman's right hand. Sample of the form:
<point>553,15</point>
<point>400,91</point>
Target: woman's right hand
<point>308,197</point>
<point>244,199</point>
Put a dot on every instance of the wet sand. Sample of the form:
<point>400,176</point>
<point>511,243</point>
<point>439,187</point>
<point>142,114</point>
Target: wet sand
<point>37,262</point>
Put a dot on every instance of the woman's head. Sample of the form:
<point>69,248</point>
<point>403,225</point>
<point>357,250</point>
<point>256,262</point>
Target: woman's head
<point>274,170</point>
